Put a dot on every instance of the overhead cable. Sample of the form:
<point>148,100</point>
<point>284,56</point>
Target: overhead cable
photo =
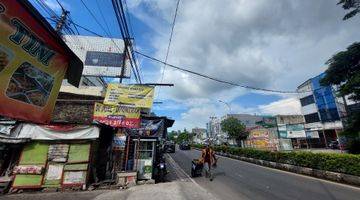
<point>214,78</point>
<point>107,33</point>
<point>169,44</point>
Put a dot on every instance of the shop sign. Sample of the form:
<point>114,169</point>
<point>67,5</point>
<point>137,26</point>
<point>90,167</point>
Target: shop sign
<point>259,133</point>
<point>282,130</point>
<point>136,95</point>
<point>295,131</point>
<point>117,116</point>
<point>101,56</point>
<point>32,64</point>
<point>312,134</point>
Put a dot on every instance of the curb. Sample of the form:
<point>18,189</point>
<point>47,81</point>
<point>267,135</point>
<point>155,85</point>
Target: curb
<point>327,175</point>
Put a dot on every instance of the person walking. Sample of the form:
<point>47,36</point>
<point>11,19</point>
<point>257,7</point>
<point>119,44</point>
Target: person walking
<point>209,159</point>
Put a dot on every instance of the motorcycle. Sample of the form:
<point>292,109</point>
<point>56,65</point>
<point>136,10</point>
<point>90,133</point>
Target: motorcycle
<point>161,169</point>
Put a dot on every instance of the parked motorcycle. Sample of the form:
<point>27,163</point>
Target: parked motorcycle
<point>161,170</point>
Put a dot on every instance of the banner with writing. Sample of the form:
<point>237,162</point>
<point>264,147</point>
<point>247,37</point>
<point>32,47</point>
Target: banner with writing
<point>140,96</point>
<point>32,64</point>
<point>117,116</point>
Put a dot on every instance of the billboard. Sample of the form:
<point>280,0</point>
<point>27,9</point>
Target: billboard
<point>295,131</point>
<point>101,56</point>
<point>137,95</point>
<point>117,116</point>
<point>33,63</point>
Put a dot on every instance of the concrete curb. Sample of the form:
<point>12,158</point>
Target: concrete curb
<point>327,175</point>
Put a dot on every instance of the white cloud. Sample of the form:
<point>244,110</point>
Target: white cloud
<point>290,106</point>
<point>53,4</point>
<point>264,43</point>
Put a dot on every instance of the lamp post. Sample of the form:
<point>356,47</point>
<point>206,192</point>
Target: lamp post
<point>227,104</point>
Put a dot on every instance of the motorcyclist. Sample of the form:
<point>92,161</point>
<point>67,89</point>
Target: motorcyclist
<point>208,158</point>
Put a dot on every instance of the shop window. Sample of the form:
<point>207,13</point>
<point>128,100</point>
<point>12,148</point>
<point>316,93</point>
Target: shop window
<point>307,100</point>
<point>311,118</point>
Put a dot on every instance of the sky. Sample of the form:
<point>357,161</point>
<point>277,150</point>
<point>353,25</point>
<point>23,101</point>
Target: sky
<point>272,44</point>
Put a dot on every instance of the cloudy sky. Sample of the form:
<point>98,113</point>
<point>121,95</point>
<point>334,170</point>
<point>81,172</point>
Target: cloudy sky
<point>272,44</point>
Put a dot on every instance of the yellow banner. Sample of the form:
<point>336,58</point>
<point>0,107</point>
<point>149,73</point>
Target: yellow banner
<point>137,95</point>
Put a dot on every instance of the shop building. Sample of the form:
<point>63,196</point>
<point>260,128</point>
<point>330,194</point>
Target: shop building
<point>322,110</point>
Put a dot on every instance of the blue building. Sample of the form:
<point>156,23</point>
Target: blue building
<point>322,111</point>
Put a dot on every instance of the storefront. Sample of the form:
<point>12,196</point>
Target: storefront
<point>143,146</point>
<point>58,156</point>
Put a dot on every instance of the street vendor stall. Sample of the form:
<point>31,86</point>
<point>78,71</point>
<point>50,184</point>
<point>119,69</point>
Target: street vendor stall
<point>57,156</point>
<point>143,148</point>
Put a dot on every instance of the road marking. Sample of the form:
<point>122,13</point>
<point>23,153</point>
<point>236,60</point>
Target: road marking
<point>183,172</point>
<point>295,174</point>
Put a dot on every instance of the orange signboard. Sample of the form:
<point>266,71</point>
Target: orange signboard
<point>32,63</point>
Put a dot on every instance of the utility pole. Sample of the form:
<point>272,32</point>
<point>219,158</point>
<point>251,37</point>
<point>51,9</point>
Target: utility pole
<point>61,22</point>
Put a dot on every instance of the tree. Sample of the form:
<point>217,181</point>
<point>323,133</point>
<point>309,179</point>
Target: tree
<point>171,135</point>
<point>344,70</point>
<point>234,128</point>
<point>350,4</point>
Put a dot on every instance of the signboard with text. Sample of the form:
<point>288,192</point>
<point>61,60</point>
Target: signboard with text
<point>140,96</point>
<point>32,63</point>
<point>117,116</point>
<point>101,56</point>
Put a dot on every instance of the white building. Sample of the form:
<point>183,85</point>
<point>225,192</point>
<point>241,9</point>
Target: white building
<point>199,135</point>
<point>322,110</point>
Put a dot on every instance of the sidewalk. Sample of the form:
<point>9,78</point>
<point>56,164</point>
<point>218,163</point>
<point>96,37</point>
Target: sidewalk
<point>176,190</point>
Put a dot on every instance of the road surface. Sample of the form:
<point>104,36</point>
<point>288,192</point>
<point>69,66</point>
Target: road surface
<point>241,180</point>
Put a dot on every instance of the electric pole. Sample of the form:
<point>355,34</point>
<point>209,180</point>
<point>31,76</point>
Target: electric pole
<point>60,24</point>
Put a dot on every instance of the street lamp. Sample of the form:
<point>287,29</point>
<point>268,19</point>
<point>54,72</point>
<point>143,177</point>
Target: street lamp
<point>227,104</point>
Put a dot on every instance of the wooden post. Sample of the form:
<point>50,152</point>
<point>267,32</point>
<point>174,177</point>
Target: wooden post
<point>127,152</point>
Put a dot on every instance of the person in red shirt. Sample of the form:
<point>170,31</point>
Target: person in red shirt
<point>209,159</point>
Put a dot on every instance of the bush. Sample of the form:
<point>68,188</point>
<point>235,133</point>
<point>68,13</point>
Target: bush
<point>343,163</point>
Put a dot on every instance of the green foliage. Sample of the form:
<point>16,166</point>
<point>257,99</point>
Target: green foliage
<point>234,128</point>
<point>184,137</point>
<point>343,163</point>
<point>172,135</point>
<point>350,4</point>
<point>344,70</point>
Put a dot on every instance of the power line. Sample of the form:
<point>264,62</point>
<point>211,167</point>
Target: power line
<point>216,79</point>
<point>108,34</point>
<point>132,33</point>
<point>169,44</point>
<point>120,16</point>
<point>129,37</point>
<point>102,16</point>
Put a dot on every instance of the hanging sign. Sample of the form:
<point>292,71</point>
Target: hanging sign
<point>137,95</point>
<point>33,62</point>
<point>101,56</point>
<point>117,116</point>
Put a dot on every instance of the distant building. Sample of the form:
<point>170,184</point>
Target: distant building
<point>248,120</point>
<point>322,110</point>
<point>199,135</point>
<point>213,127</point>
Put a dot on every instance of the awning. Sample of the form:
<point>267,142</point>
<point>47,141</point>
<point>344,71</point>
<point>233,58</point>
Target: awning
<point>57,132</point>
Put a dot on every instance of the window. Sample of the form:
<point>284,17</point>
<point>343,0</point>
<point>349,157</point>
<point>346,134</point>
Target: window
<point>307,100</point>
<point>311,118</point>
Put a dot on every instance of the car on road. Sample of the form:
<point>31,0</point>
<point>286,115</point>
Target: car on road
<point>184,146</point>
<point>169,147</point>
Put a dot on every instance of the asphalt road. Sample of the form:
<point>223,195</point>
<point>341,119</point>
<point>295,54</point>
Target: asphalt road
<point>241,180</point>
